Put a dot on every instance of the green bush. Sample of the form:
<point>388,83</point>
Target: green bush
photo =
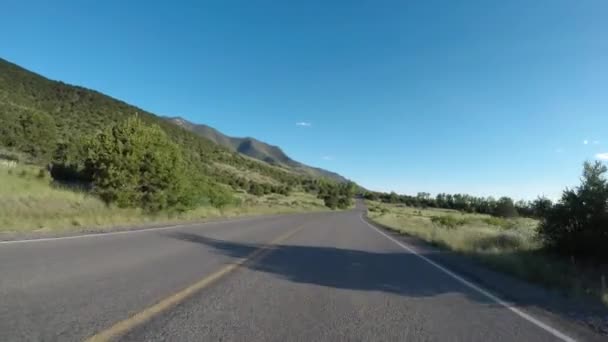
<point>500,222</point>
<point>505,208</point>
<point>448,221</point>
<point>501,242</point>
<point>578,223</point>
<point>541,206</point>
<point>256,189</point>
<point>135,165</point>
<point>336,195</point>
<point>343,202</point>
<point>42,174</point>
<point>31,132</point>
<point>330,201</point>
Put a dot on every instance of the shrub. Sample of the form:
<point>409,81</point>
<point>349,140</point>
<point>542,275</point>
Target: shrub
<point>34,133</point>
<point>499,221</point>
<point>42,173</point>
<point>502,241</point>
<point>330,201</point>
<point>256,189</point>
<point>505,208</point>
<point>578,223</point>
<point>448,221</point>
<point>132,164</point>
<point>343,202</point>
<point>541,206</point>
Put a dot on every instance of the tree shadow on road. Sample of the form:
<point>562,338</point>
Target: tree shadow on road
<point>399,273</point>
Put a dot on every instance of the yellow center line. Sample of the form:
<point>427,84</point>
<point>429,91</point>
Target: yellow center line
<point>150,312</point>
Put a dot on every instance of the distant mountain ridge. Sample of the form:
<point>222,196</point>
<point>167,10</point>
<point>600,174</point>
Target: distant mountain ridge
<point>253,148</point>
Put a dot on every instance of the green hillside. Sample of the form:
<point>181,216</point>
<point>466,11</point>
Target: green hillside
<point>255,149</point>
<point>46,122</point>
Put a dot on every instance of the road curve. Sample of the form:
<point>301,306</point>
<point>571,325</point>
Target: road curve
<point>305,277</point>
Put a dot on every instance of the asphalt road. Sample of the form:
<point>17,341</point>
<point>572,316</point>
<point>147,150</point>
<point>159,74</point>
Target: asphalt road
<point>308,277</point>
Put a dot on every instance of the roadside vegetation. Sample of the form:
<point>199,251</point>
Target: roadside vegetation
<point>560,246</point>
<point>131,173</point>
<point>32,203</point>
<point>99,157</point>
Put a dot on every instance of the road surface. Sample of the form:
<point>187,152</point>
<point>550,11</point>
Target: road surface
<point>305,277</point>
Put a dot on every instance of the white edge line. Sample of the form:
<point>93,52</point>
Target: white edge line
<point>477,288</point>
<point>133,231</point>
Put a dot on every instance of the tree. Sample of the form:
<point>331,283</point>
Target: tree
<point>423,196</point>
<point>256,189</point>
<point>462,202</point>
<point>336,195</point>
<point>393,197</point>
<point>578,223</point>
<point>10,131</point>
<point>524,208</point>
<point>505,208</point>
<point>39,135</point>
<point>372,196</point>
<point>330,201</point>
<point>132,164</point>
<point>68,161</point>
<point>344,202</point>
<point>541,206</point>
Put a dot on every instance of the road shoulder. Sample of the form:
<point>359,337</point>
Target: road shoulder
<point>9,237</point>
<point>584,318</point>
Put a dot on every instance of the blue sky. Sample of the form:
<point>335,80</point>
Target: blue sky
<point>482,97</point>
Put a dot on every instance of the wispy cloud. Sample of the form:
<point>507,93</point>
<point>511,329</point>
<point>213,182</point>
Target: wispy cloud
<point>303,124</point>
<point>559,150</point>
<point>585,142</point>
<point>596,142</point>
<point>602,156</point>
<point>327,157</point>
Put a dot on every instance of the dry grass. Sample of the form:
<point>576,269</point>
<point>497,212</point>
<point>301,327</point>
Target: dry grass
<point>509,246</point>
<point>246,174</point>
<point>470,233</point>
<point>31,203</point>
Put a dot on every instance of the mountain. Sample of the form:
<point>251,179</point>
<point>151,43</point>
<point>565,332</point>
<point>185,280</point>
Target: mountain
<point>254,148</point>
<point>40,117</point>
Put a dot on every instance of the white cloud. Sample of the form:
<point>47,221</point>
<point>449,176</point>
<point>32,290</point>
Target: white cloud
<point>585,141</point>
<point>303,124</point>
<point>596,142</point>
<point>327,158</point>
<point>602,156</point>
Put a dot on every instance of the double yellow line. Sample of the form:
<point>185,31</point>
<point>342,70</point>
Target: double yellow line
<point>150,312</point>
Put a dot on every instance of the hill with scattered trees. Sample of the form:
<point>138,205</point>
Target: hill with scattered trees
<point>255,149</point>
<point>129,156</point>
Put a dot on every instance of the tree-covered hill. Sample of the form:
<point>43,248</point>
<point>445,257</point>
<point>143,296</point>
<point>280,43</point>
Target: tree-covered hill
<point>48,122</point>
<point>256,149</point>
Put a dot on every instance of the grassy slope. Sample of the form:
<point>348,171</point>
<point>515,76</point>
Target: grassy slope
<point>509,246</point>
<point>31,204</point>
<point>246,174</point>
